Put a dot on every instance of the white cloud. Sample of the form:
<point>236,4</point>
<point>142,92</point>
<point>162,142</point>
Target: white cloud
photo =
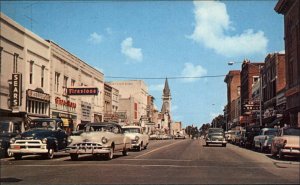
<point>157,87</point>
<point>95,38</point>
<point>212,23</point>
<point>131,52</point>
<point>192,71</point>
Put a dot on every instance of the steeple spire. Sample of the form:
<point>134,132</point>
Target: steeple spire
<point>166,89</point>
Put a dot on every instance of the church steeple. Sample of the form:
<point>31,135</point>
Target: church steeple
<point>166,98</point>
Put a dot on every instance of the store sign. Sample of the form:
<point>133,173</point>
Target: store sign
<point>16,89</point>
<point>83,91</point>
<point>86,111</point>
<point>59,101</point>
<point>38,95</point>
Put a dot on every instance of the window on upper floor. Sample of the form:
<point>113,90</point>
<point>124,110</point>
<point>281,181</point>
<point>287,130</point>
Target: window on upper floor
<point>73,83</point>
<point>56,82</point>
<point>31,72</point>
<point>42,76</point>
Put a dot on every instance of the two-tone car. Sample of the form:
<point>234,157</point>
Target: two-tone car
<point>215,136</point>
<point>139,140</point>
<point>99,139</point>
<point>263,141</point>
<point>287,142</point>
<point>44,137</point>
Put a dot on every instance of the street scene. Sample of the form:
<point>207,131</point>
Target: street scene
<point>190,160</point>
<point>150,92</point>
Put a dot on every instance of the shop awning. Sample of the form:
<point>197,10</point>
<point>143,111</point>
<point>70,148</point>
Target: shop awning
<point>65,122</point>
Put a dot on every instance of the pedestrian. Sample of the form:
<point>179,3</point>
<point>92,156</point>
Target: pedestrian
<point>71,126</point>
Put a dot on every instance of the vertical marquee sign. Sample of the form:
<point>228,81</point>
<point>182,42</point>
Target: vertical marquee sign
<point>16,90</point>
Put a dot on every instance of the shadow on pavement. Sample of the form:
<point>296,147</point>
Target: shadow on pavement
<point>10,179</point>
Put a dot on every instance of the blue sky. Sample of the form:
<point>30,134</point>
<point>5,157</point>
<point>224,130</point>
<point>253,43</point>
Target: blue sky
<point>161,39</point>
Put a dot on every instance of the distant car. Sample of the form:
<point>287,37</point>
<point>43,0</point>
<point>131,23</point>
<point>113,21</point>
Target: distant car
<point>263,141</point>
<point>153,137</point>
<point>215,136</point>
<point>9,129</point>
<point>139,140</point>
<point>287,142</point>
<point>238,137</point>
<point>251,132</point>
<point>99,139</point>
<point>179,136</point>
<point>44,137</point>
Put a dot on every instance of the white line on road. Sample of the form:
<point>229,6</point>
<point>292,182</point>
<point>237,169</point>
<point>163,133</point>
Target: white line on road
<point>158,149</point>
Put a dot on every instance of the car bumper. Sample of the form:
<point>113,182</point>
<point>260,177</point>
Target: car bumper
<point>216,142</point>
<point>28,151</point>
<point>291,151</point>
<point>88,150</point>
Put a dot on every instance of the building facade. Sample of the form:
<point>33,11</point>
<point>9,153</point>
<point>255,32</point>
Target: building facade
<point>24,72</point>
<point>250,74</point>
<point>273,84</point>
<point>291,12</point>
<point>233,82</point>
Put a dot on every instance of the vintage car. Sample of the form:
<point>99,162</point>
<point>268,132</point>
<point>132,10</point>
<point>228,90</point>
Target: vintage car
<point>179,135</point>
<point>264,139</point>
<point>287,142</point>
<point>9,128</point>
<point>215,136</point>
<point>153,137</point>
<point>44,137</point>
<point>139,140</point>
<point>99,139</point>
<point>251,132</point>
<point>238,137</point>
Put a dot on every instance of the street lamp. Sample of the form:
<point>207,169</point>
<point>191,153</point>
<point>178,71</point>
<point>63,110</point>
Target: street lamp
<point>260,89</point>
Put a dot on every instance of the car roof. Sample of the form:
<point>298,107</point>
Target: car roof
<point>102,124</point>
<point>46,119</point>
<point>131,126</point>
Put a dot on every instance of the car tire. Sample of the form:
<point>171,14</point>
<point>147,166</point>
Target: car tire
<point>223,145</point>
<point>125,152</point>
<point>74,157</point>
<point>280,155</point>
<point>110,155</point>
<point>18,156</point>
<point>49,154</point>
<point>261,148</point>
<point>145,147</point>
<point>139,148</point>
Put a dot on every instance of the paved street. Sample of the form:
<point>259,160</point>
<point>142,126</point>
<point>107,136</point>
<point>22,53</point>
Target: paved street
<point>164,162</point>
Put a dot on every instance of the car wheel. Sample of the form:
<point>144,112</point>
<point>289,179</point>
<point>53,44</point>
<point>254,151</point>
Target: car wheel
<point>7,153</point>
<point>206,144</point>
<point>261,148</point>
<point>74,157</point>
<point>139,147</point>
<point>49,154</point>
<point>125,152</point>
<point>110,155</point>
<point>145,147</point>
<point>273,152</point>
<point>223,145</point>
<point>18,156</point>
<point>280,155</point>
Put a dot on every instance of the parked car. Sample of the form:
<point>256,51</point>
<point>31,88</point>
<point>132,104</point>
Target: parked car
<point>216,136</point>
<point>263,141</point>
<point>153,137</point>
<point>9,129</point>
<point>251,132</point>
<point>238,137</point>
<point>79,129</point>
<point>179,136</point>
<point>139,139</point>
<point>99,139</point>
<point>287,142</point>
<point>44,137</point>
<point>228,135</point>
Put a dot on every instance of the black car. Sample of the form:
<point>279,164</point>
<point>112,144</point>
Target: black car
<point>44,137</point>
<point>8,129</point>
<point>247,138</point>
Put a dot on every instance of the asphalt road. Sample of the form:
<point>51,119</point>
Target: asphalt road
<point>163,162</point>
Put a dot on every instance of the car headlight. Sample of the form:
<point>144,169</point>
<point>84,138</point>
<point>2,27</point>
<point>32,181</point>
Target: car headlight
<point>69,140</point>
<point>12,140</point>
<point>136,138</point>
<point>104,140</point>
<point>44,141</point>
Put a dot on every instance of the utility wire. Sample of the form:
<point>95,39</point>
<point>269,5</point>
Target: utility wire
<point>175,77</point>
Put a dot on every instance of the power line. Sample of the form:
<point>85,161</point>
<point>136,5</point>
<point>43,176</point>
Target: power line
<point>175,77</point>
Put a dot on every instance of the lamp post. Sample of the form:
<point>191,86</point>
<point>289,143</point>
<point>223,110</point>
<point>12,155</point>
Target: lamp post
<point>260,89</point>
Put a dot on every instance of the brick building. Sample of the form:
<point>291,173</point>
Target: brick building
<point>249,75</point>
<point>233,82</point>
<point>291,11</point>
<point>273,85</point>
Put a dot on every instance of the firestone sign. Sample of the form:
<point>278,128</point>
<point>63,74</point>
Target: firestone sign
<point>83,91</point>
<point>16,89</point>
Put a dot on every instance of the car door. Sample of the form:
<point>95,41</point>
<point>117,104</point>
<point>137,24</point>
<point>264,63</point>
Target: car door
<point>119,138</point>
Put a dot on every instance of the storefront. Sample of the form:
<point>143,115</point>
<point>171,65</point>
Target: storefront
<point>66,110</point>
<point>37,103</point>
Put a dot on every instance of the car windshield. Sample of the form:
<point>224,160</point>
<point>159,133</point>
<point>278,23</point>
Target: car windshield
<point>131,130</point>
<point>4,127</point>
<point>292,131</point>
<point>97,128</point>
<point>47,124</point>
<point>271,132</point>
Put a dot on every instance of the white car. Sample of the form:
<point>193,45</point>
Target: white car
<point>99,139</point>
<point>139,140</point>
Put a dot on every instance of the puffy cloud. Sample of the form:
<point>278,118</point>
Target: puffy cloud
<point>212,26</point>
<point>95,38</point>
<point>128,50</point>
<point>192,71</point>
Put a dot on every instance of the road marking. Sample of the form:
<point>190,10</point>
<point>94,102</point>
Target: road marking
<point>158,149</point>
